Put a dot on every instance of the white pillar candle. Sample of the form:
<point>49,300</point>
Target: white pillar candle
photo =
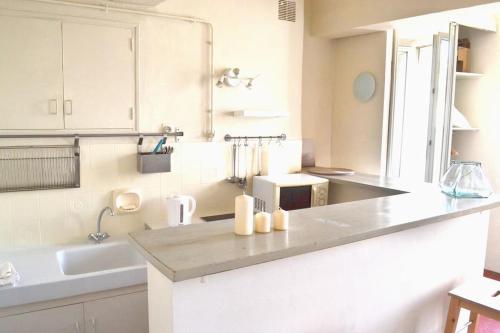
<point>280,219</point>
<point>262,222</point>
<point>243,215</point>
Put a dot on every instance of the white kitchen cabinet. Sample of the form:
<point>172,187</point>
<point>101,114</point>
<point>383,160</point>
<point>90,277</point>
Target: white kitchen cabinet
<point>64,319</point>
<point>121,314</point>
<point>31,79</point>
<point>127,313</point>
<point>99,76</point>
<point>58,74</point>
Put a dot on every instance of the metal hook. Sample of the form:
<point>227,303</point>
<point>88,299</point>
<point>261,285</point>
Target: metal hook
<point>139,144</point>
<point>176,129</point>
<point>280,141</point>
<point>76,145</point>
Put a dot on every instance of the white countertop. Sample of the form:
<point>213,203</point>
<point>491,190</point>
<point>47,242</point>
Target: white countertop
<point>43,280</point>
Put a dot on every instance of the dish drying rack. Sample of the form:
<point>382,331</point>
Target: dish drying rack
<point>235,177</point>
<point>29,168</point>
<point>44,167</point>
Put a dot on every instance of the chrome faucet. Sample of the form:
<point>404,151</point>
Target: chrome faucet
<point>99,236</point>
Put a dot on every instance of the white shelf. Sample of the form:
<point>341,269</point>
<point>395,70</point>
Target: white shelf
<point>259,114</point>
<point>466,75</point>
<point>461,129</point>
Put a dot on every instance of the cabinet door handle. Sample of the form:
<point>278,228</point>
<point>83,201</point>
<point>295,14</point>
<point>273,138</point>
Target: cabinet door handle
<point>68,107</point>
<point>53,106</point>
<point>77,327</point>
<point>92,324</point>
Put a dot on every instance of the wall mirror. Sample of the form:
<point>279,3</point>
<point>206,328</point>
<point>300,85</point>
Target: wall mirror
<point>364,86</point>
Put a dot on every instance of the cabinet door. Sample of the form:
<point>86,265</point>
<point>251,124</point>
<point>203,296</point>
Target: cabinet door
<point>99,76</point>
<point>124,314</point>
<point>31,85</point>
<point>65,319</point>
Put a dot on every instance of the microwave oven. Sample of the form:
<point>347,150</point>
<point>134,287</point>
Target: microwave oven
<point>289,192</point>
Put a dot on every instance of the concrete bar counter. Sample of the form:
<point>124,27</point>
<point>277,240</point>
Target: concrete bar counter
<point>346,267</point>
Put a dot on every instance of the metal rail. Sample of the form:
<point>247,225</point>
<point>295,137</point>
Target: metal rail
<point>89,135</point>
<point>228,137</point>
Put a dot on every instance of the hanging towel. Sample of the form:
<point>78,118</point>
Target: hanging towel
<point>8,274</point>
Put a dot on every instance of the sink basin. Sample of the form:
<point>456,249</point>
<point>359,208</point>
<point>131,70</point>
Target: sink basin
<point>98,257</point>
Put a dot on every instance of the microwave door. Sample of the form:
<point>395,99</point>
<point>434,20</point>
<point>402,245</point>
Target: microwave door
<point>295,197</point>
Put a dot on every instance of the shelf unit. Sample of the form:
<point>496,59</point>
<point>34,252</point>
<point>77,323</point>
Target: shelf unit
<point>471,95</point>
<point>467,75</point>
<point>259,114</point>
<point>462,129</point>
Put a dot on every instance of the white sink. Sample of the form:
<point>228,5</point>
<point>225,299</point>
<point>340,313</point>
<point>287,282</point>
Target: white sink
<point>98,257</point>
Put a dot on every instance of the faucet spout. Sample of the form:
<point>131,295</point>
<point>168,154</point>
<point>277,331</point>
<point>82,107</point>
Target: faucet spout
<point>99,236</point>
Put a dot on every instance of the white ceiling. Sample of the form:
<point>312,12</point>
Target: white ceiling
<point>482,17</point>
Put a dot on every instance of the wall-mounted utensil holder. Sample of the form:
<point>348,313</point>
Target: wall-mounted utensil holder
<point>236,177</point>
<point>149,162</point>
<point>31,168</point>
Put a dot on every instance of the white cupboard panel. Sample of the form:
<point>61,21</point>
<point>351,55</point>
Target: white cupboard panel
<point>31,79</point>
<point>99,76</point>
<point>65,319</point>
<point>124,314</point>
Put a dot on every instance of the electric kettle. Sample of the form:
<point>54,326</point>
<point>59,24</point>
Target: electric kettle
<point>180,209</point>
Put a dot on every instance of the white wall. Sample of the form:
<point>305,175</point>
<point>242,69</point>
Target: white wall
<point>317,90</point>
<point>172,86</point>
<point>479,101</point>
<point>358,129</point>
<point>337,18</point>
<point>346,133</point>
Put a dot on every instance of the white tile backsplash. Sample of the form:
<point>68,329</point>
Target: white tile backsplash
<point>61,216</point>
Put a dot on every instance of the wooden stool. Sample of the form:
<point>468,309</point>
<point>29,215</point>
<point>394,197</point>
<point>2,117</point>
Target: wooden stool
<point>481,297</point>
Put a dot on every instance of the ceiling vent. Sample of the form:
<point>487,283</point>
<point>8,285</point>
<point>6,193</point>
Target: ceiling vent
<point>287,10</point>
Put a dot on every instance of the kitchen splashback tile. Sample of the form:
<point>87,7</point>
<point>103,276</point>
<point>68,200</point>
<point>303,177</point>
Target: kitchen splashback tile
<point>62,216</point>
<point>103,166</point>
<point>6,227</point>
<point>27,233</point>
<point>25,205</point>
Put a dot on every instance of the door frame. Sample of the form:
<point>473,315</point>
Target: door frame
<point>450,98</point>
<point>431,131</point>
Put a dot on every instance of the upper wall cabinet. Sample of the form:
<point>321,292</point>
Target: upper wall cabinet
<point>99,76</point>
<point>66,75</point>
<point>31,79</point>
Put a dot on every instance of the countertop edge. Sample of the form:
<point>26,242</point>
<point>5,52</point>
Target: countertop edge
<point>215,268</point>
<point>167,271</point>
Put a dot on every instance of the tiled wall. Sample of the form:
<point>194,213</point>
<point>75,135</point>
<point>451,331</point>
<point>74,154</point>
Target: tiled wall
<point>172,66</point>
<point>61,216</point>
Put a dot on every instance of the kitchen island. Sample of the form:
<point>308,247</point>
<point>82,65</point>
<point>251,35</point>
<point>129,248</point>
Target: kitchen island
<point>377,265</point>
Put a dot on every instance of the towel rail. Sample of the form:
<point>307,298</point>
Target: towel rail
<point>228,137</point>
<point>89,135</point>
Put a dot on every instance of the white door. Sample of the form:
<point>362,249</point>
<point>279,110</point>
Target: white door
<point>31,79</point>
<point>99,76</point>
<point>65,319</point>
<point>123,314</point>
